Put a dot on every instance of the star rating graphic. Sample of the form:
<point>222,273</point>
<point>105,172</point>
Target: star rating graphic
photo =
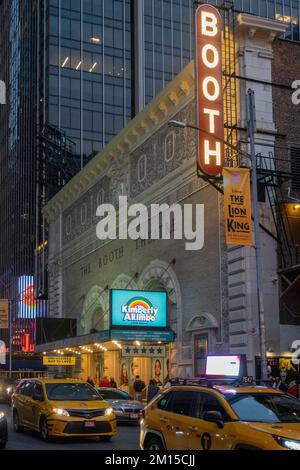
<point>149,351</point>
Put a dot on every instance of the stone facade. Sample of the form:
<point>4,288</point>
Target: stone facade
<point>89,266</point>
<point>211,291</point>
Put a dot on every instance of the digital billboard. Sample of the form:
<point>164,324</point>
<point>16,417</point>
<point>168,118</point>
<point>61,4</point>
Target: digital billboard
<point>29,306</point>
<point>223,366</point>
<point>138,309</point>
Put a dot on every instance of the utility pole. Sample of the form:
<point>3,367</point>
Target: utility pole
<point>251,126</point>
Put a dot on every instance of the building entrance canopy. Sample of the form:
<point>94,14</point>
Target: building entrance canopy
<point>167,336</point>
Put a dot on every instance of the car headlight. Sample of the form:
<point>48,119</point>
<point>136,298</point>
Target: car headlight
<point>2,415</point>
<point>60,412</point>
<point>288,443</point>
<point>108,412</point>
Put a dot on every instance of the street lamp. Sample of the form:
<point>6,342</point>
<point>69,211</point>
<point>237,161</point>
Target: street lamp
<point>176,123</point>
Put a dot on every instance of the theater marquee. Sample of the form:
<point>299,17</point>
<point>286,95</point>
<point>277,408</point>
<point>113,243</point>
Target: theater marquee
<point>138,309</point>
<point>209,83</point>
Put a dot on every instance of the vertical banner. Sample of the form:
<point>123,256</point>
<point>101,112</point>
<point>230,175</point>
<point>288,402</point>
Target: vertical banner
<point>237,206</point>
<point>209,84</point>
<point>4,314</point>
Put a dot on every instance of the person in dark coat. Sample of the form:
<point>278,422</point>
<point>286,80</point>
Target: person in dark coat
<point>138,387</point>
<point>153,390</point>
<point>113,383</point>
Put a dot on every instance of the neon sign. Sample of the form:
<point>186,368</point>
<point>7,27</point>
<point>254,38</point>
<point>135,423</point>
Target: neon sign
<point>29,306</point>
<point>209,82</point>
<point>27,346</point>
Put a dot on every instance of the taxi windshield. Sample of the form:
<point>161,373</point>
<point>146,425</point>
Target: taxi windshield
<point>71,392</point>
<point>265,407</point>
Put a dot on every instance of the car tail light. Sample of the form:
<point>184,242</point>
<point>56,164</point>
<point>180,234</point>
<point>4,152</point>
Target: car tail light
<point>142,414</point>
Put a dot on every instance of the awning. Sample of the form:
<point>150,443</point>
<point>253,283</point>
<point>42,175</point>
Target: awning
<point>106,336</point>
<point>100,337</point>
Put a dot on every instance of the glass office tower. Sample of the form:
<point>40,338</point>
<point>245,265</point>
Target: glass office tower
<point>89,76</point>
<point>76,72</point>
<point>166,29</point>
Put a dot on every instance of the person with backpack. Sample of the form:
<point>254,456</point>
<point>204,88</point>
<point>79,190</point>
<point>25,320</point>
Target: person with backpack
<point>153,390</point>
<point>138,387</point>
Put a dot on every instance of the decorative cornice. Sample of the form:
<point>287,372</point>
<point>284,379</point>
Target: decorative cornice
<point>161,109</point>
<point>255,25</point>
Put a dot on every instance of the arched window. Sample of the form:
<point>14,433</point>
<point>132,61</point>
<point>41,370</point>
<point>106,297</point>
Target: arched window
<point>98,323</point>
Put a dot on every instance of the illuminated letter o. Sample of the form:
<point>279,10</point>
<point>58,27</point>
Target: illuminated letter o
<point>216,85</point>
<point>207,63</point>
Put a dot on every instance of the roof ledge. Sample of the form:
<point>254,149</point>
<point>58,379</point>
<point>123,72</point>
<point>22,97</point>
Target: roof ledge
<point>255,25</point>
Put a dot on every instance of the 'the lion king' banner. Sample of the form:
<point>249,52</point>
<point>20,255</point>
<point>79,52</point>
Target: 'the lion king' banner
<point>237,206</point>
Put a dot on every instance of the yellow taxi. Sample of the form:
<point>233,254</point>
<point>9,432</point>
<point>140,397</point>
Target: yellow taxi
<point>195,417</point>
<point>62,408</point>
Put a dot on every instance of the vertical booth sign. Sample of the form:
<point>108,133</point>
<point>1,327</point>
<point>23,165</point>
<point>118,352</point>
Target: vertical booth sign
<point>209,90</point>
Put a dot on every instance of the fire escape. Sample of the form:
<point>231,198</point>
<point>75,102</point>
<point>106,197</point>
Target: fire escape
<point>277,177</point>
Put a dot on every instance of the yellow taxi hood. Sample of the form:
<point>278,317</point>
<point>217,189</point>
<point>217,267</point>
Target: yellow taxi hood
<point>288,430</point>
<point>80,405</point>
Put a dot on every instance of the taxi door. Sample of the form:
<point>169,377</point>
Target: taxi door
<point>36,404</point>
<point>180,409</point>
<point>20,400</point>
<point>204,435</point>
<point>27,417</point>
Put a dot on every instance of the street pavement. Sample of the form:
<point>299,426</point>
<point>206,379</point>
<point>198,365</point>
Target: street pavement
<point>126,439</point>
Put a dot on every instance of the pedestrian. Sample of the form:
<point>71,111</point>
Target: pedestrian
<point>279,385</point>
<point>138,387</point>
<point>105,383</point>
<point>113,383</point>
<point>90,381</point>
<point>153,390</point>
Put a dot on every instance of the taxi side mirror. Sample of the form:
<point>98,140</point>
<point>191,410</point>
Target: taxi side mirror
<point>214,417</point>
